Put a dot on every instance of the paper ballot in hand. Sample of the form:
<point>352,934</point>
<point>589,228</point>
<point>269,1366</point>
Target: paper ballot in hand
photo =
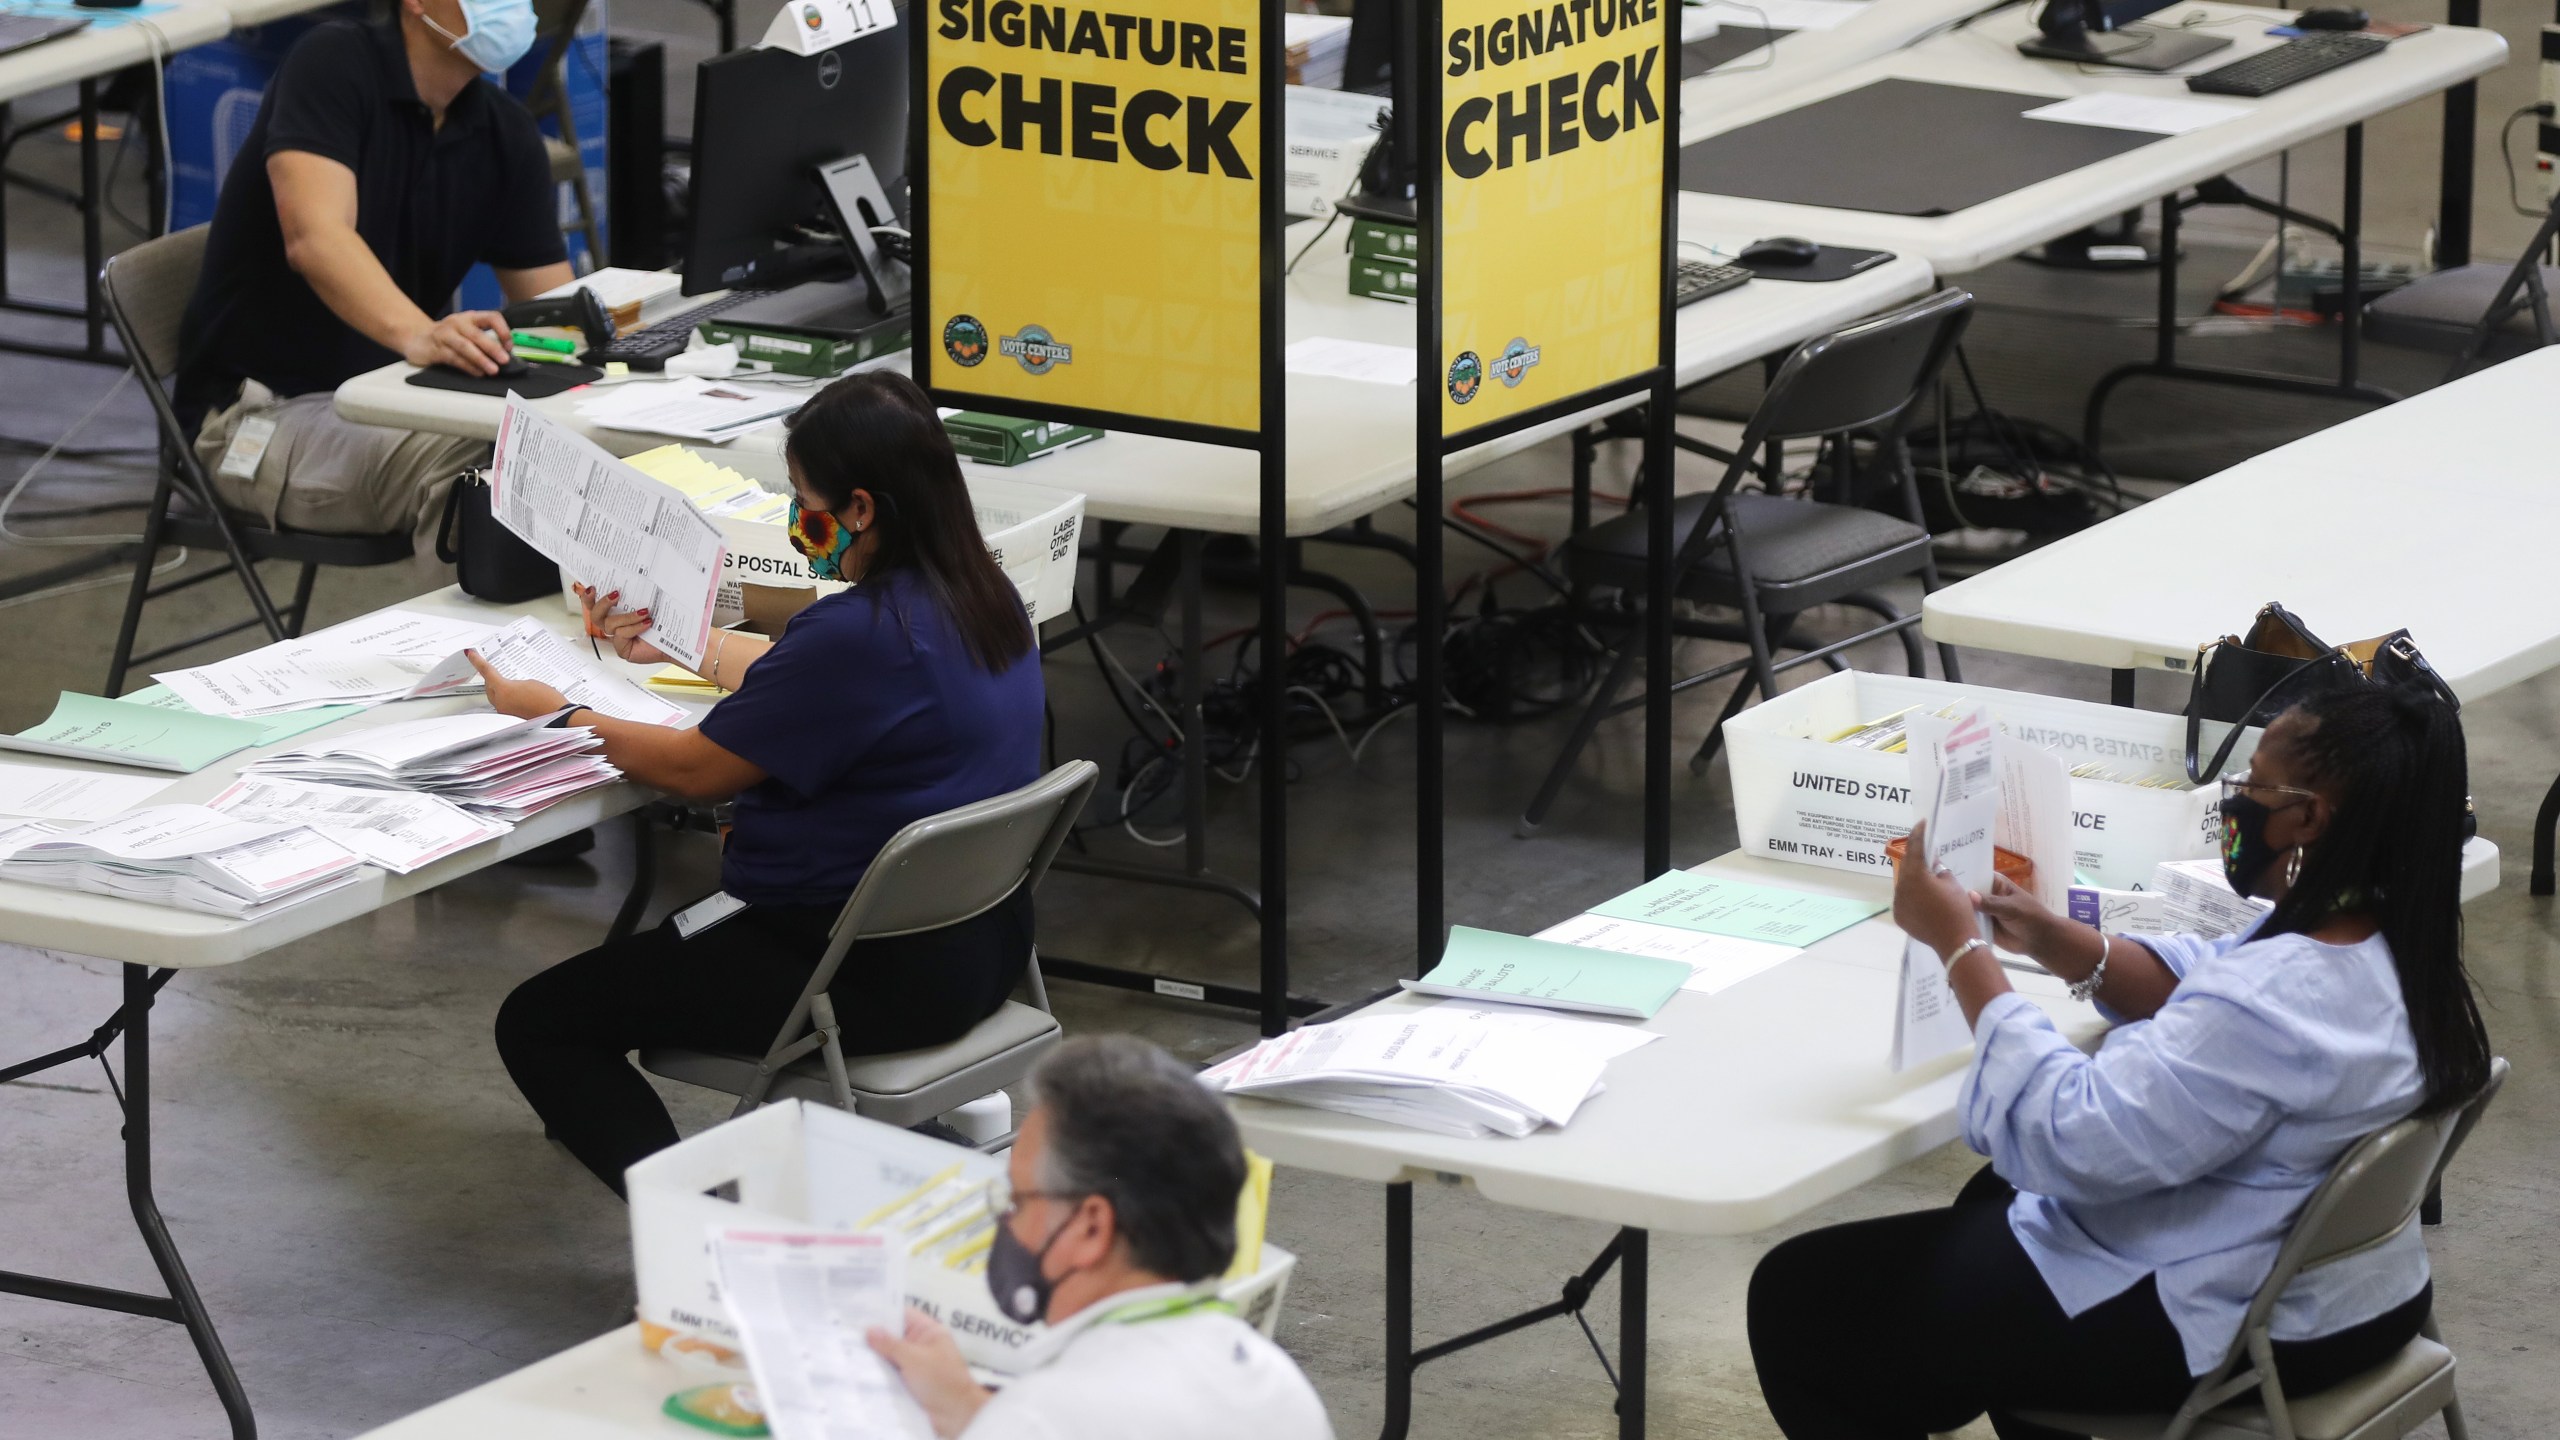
<point>1953,764</point>
<point>609,526</point>
<point>804,1302</point>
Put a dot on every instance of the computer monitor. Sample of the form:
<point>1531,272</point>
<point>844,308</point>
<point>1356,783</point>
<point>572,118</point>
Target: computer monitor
<point>2102,32</point>
<point>764,122</point>
<point>1382,34</point>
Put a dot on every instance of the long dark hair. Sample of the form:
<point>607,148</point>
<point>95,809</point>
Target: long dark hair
<point>2395,760</point>
<point>878,432</point>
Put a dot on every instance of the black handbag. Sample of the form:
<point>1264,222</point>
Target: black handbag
<point>2244,681</point>
<point>492,562</point>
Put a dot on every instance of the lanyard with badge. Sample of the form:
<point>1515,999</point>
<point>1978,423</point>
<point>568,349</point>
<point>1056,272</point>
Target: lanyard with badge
<point>1167,1308</point>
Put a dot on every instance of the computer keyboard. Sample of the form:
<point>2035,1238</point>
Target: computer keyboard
<point>651,346</point>
<point>1698,279</point>
<point>2271,70</point>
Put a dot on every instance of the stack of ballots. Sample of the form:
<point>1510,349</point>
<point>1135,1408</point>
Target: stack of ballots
<point>1315,48</point>
<point>181,855</point>
<point>1452,1068</point>
<point>492,765</point>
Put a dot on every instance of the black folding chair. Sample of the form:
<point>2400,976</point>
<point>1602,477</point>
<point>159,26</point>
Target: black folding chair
<point>1773,557</point>
<point>146,291</point>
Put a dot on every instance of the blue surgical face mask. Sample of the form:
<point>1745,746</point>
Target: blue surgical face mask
<point>501,32</point>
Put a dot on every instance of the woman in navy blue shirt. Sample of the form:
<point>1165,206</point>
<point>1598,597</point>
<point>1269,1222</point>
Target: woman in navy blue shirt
<point>913,692</point>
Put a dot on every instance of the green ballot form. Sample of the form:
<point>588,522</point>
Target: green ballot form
<point>86,727</point>
<point>1731,907</point>
<point>271,728</point>
<point>1489,965</point>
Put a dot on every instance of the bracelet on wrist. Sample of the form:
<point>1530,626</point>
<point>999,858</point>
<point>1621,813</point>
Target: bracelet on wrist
<point>1967,948</point>
<point>2085,988</point>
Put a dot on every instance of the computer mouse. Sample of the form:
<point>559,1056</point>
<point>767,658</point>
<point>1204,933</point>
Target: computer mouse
<point>2331,17</point>
<point>1780,250</point>
<point>512,368</point>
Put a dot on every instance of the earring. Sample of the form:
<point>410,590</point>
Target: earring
<point>2293,868</point>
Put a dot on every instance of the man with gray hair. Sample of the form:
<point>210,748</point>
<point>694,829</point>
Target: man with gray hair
<point>1125,1180</point>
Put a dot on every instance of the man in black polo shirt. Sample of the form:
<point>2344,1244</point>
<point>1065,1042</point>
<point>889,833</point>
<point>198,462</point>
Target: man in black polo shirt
<point>381,167</point>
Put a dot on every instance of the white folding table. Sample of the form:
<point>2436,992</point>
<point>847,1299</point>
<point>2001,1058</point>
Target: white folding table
<point>1350,454</point>
<point>155,942</point>
<point>1983,55</point>
<point>2433,514</point>
<point>1879,27</point>
<point>112,41</point>
<point>1351,443</point>
<point>1759,1103</point>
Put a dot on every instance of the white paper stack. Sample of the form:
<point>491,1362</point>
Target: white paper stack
<point>1453,1069</point>
<point>528,650</point>
<point>1316,47</point>
<point>397,830</point>
<point>394,655</point>
<point>494,766</point>
<point>182,855</point>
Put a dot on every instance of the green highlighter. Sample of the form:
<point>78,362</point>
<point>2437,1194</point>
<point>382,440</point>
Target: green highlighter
<point>728,1408</point>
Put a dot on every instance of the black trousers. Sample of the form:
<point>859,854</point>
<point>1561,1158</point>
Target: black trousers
<point>1897,1328</point>
<point>565,1033</point>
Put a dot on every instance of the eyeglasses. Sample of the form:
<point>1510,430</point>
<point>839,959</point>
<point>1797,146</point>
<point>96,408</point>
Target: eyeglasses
<point>1007,1201</point>
<point>2241,784</point>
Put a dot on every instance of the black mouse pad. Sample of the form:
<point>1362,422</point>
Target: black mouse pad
<point>1899,147</point>
<point>1832,262</point>
<point>540,383</point>
<point>1730,42</point>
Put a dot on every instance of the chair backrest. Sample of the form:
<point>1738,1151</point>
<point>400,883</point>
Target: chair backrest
<point>147,289</point>
<point>1867,376</point>
<point>556,23</point>
<point>946,868</point>
<point>2371,1195</point>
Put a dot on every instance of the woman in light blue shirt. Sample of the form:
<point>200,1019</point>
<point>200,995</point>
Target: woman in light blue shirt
<point>2136,1198</point>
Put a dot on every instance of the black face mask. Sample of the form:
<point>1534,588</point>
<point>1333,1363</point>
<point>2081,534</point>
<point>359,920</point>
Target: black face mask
<point>1014,1276</point>
<point>2245,851</point>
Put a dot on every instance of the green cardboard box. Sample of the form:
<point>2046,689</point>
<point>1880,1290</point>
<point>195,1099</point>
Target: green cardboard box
<point>1385,280</point>
<point>816,355</point>
<point>1380,240</point>
<point>1005,440</point>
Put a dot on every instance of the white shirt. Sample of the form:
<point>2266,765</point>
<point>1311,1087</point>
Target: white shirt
<point>2187,1145</point>
<point>1119,1369</point>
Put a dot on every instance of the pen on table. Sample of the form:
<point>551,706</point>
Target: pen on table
<point>546,357</point>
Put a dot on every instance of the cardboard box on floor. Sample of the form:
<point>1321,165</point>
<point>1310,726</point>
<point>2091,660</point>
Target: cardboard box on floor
<point>798,1165</point>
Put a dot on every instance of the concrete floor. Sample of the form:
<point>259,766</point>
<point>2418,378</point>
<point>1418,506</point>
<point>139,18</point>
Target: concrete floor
<point>377,1222</point>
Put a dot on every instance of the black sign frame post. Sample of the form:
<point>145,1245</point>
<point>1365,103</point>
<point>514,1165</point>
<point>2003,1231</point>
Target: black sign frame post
<point>1628,1251</point>
<point>1271,1002</point>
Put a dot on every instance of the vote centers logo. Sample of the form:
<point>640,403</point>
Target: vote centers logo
<point>1036,350</point>
<point>812,17</point>
<point>964,339</point>
<point>1513,364</point>
<point>1466,376</point>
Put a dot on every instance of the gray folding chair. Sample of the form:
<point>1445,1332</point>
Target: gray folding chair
<point>147,288</point>
<point>1775,558</point>
<point>939,871</point>
<point>2370,1197</point>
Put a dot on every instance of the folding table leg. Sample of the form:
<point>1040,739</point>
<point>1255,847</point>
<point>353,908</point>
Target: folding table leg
<point>138,992</point>
<point>1633,1248</point>
<point>93,200</point>
<point>181,1306</point>
<point>1399,1417</point>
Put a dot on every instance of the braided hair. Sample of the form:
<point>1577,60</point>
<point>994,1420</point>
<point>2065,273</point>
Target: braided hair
<point>2394,759</point>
